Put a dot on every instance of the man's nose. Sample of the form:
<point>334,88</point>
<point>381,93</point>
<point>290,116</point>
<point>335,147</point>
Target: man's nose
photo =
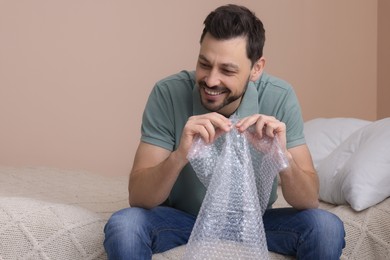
<point>213,78</point>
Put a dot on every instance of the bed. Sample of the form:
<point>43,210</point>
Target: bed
<point>48,213</point>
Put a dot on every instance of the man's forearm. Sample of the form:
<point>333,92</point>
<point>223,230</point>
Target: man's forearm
<point>149,187</point>
<point>300,188</point>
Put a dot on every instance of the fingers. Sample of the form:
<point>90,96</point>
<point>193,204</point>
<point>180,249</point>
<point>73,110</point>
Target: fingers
<point>208,126</point>
<point>273,127</point>
<point>217,120</point>
<point>204,128</point>
<point>267,125</point>
<point>263,125</point>
<point>212,125</point>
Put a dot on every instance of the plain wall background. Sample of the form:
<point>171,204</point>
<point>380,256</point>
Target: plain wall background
<point>383,59</point>
<point>75,75</point>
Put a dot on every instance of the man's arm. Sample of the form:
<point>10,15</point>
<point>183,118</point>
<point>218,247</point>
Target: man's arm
<point>155,170</point>
<point>299,181</point>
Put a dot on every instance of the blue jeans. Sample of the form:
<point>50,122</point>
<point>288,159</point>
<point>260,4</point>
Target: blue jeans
<point>135,233</point>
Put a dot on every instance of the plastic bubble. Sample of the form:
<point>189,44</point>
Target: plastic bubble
<point>238,170</point>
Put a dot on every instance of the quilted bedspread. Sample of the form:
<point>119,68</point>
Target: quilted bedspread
<point>57,214</point>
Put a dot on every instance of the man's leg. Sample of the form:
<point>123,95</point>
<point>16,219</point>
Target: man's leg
<point>136,233</point>
<point>307,234</point>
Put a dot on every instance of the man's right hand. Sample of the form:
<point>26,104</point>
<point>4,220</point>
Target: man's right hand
<point>207,126</point>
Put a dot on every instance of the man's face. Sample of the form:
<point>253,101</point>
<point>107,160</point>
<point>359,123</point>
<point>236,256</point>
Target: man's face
<point>223,71</point>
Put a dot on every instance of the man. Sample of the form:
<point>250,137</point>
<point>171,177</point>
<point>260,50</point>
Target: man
<point>164,193</point>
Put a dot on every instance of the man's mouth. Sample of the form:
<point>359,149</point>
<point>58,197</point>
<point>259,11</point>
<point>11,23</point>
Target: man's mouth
<point>212,92</point>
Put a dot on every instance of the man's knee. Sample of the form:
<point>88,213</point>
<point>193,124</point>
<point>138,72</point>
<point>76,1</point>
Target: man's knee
<point>126,221</point>
<point>325,232</point>
<point>126,234</point>
<point>327,225</point>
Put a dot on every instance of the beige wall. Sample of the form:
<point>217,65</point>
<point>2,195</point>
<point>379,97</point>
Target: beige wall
<point>75,75</point>
<point>383,59</point>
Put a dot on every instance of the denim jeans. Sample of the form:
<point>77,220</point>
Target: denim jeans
<point>135,233</point>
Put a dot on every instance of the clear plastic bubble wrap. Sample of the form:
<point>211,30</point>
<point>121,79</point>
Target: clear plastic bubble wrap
<point>238,171</point>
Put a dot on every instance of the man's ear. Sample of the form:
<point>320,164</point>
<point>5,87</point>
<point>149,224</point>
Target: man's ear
<point>257,69</point>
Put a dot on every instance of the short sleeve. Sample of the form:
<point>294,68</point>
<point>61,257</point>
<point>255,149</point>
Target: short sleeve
<point>157,121</point>
<point>291,115</point>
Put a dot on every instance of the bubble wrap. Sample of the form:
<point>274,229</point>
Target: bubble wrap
<point>238,171</point>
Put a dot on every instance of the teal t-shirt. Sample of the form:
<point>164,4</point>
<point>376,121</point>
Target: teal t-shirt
<point>174,99</point>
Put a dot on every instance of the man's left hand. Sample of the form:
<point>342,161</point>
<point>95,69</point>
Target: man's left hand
<point>264,124</point>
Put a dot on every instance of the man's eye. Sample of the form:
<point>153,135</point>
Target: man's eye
<point>204,65</point>
<point>228,72</point>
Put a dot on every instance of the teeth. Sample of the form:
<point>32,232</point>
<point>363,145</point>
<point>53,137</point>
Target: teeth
<point>213,93</point>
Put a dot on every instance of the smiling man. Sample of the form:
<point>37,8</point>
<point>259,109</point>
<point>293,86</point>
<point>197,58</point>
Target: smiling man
<point>164,193</point>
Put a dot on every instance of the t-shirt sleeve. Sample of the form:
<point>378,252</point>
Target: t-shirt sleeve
<point>291,115</point>
<point>157,122</point>
<point>278,99</point>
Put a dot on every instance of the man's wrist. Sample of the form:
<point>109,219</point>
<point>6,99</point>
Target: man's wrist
<point>179,158</point>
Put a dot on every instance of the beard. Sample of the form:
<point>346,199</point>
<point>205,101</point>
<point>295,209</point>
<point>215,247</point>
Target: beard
<point>212,105</point>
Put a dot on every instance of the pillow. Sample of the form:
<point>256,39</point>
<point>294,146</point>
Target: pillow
<point>358,171</point>
<point>323,135</point>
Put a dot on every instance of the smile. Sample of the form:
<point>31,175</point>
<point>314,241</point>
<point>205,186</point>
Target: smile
<point>212,92</point>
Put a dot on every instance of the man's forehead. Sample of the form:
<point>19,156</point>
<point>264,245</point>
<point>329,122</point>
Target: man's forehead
<point>225,52</point>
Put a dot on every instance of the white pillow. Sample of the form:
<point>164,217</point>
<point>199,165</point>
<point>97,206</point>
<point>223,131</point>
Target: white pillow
<point>358,171</point>
<point>323,135</point>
